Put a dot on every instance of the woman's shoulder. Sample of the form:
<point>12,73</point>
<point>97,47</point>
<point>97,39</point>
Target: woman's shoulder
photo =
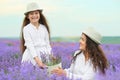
<point>76,52</point>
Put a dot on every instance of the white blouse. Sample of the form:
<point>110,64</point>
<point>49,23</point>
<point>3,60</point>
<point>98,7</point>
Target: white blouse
<point>36,42</point>
<point>80,69</point>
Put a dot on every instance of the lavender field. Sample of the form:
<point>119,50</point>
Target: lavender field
<point>11,68</point>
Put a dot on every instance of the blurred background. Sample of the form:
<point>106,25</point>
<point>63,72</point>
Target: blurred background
<point>66,18</point>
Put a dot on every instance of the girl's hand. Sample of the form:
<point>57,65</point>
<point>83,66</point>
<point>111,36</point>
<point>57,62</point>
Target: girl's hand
<point>43,66</point>
<point>39,62</point>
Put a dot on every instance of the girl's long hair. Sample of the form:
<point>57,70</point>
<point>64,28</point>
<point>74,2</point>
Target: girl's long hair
<point>96,55</point>
<point>25,22</point>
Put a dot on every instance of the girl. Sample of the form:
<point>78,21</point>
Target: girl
<point>35,36</point>
<point>88,60</point>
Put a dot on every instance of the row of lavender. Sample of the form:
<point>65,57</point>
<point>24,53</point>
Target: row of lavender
<point>11,68</point>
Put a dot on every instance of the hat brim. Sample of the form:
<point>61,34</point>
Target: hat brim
<point>33,10</point>
<point>98,42</point>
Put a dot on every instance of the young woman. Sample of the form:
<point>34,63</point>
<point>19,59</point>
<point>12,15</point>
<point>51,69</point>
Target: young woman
<point>35,36</point>
<point>88,60</point>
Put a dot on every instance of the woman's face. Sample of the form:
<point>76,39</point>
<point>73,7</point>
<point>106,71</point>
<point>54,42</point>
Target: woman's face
<point>83,42</point>
<point>34,16</point>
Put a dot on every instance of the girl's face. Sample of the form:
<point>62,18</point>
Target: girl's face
<point>83,42</point>
<point>34,16</point>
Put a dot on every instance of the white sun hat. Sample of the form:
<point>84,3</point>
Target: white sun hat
<point>32,7</point>
<point>93,34</point>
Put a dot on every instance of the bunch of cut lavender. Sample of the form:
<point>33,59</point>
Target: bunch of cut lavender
<point>50,60</point>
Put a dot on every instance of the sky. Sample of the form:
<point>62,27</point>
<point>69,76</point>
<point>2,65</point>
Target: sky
<point>66,18</point>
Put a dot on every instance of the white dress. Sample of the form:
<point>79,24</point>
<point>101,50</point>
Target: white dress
<point>36,42</point>
<point>80,69</point>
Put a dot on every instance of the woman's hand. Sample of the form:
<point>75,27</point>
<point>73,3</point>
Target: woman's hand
<point>59,71</point>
